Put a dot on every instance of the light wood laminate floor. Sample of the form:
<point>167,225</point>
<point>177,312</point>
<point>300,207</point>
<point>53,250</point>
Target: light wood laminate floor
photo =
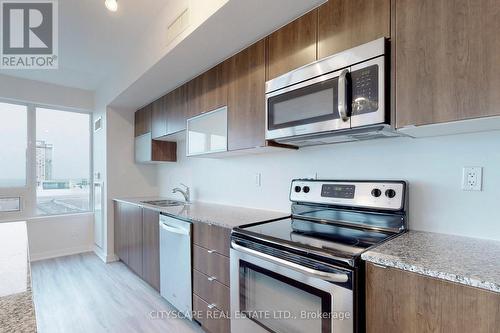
<point>80,293</point>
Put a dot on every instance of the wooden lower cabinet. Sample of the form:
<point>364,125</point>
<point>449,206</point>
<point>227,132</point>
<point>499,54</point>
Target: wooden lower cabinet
<point>137,240</point>
<point>211,263</point>
<point>128,235</point>
<point>151,247</point>
<point>400,301</point>
<point>208,288</point>
<point>213,320</point>
<point>211,293</point>
<point>212,237</point>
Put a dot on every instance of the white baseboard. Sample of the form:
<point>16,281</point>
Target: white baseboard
<point>107,258</point>
<point>59,253</point>
<point>111,258</point>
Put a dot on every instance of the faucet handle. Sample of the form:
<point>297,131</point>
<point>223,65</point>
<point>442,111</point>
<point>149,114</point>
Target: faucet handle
<point>187,187</point>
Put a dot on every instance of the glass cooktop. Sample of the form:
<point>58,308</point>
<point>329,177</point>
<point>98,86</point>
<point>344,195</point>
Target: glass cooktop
<point>321,236</point>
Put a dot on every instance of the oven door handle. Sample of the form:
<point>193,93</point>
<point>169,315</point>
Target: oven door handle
<point>332,277</point>
<point>343,95</point>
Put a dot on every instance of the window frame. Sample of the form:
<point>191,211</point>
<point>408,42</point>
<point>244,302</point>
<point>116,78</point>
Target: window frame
<point>27,193</point>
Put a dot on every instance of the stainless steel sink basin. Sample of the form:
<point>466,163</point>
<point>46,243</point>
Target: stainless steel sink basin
<point>165,203</point>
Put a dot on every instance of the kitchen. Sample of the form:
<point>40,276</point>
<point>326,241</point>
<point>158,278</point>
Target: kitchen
<point>326,166</point>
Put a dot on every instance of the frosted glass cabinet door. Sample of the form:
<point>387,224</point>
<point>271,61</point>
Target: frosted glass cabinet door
<point>207,133</point>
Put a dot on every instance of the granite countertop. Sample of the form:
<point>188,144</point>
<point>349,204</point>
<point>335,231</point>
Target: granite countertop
<point>222,215</point>
<point>16,303</point>
<point>469,261</point>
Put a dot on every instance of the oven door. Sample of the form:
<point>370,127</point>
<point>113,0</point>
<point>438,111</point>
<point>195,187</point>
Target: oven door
<point>368,105</point>
<point>307,107</point>
<point>272,296</point>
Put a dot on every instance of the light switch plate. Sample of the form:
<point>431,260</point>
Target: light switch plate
<point>472,179</point>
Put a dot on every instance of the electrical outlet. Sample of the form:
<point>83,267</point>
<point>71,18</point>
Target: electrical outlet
<point>472,179</point>
<point>257,179</point>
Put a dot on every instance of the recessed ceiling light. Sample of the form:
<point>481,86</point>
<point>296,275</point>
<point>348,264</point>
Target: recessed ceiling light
<point>111,5</point>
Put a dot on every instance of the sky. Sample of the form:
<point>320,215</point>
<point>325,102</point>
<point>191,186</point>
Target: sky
<point>67,131</point>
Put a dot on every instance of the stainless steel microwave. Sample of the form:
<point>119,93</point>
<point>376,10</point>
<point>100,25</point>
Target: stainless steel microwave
<point>336,99</point>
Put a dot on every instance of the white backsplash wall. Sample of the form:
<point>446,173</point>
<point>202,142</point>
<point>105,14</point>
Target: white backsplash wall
<point>433,166</point>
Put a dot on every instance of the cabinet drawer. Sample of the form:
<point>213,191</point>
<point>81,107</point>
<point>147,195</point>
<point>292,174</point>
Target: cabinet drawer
<point>212,291</point>
<point>212,237</point>
<point>213,320</point>
<point>211,264</point>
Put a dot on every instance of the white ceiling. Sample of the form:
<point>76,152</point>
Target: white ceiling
<point>92,39</point>
<point>123,57</point>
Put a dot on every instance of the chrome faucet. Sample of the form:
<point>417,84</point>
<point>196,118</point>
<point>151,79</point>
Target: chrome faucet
<point>184,192</point>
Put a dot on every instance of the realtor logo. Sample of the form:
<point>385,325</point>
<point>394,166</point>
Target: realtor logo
<point>29,34</point>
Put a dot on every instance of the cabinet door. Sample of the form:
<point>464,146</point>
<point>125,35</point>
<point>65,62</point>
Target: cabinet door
<point>343,24</point>
<point>158,119</point>
<point>120,232</point>
<point>208,91</point>
<point>246,98</point>
<point>133,217</point>
<point>151,247</point>
<point>447,64</point>
<point>399,301</point>
<point>142,123</point>
<point>176,106</point>
<point>292,46</point>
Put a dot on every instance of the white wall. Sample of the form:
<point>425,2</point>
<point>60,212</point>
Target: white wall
<point>56,236</point>
<point>124,177</point>
<point>433,166</point>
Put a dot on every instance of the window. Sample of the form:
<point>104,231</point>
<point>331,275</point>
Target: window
<point>62,162</point>
<point>13,145</point>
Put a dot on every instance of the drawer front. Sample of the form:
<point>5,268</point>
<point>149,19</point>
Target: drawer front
<point>211,264</point>
<point>212,237</point>
<point>212,291</point>
<point>213,320</point>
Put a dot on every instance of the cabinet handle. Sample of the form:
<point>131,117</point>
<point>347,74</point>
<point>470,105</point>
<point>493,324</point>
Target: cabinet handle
<point>211,306</point>
<point>212,278</point>
<point>210,251</point>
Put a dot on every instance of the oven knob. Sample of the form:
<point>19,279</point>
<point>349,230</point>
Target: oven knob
<point>297,189</point>
<point>376,192</point>
<point>390,193</point>
<point>306,189</point>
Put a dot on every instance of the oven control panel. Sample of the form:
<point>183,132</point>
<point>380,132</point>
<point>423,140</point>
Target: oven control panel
<point>383,195</point>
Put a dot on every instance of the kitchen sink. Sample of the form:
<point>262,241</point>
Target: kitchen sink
<point>165,203</point>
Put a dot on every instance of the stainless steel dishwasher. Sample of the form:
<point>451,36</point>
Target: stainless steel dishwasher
<point>175,263</point>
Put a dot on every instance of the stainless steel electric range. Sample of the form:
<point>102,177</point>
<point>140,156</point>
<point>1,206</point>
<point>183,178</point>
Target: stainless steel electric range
<point>304,274</point>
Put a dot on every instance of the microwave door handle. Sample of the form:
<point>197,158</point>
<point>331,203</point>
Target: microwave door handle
<point>332,277</point>
<point>343,95</point>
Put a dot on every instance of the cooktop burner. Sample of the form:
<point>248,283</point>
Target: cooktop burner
<point>326,237</point>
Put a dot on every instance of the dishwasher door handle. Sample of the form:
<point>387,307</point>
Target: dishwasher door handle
<point>174,230</point>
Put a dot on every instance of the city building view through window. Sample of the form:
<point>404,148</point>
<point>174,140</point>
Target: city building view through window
<point>62,162</point>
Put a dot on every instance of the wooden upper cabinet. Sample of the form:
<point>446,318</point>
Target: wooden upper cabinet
<point>447,65</point>
<point>293,45</point>
<point>208,91</point>
<point>246,98</point>
<point>176,109</point>
<point>143,120</point>
<point>343,24</point>
<point>158,119</point>
<point>400,301</point>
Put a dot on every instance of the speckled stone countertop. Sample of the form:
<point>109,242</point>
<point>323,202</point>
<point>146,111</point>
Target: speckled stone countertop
<point>16,303</point>
<point>469,261</point>
<point>222,215</point>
